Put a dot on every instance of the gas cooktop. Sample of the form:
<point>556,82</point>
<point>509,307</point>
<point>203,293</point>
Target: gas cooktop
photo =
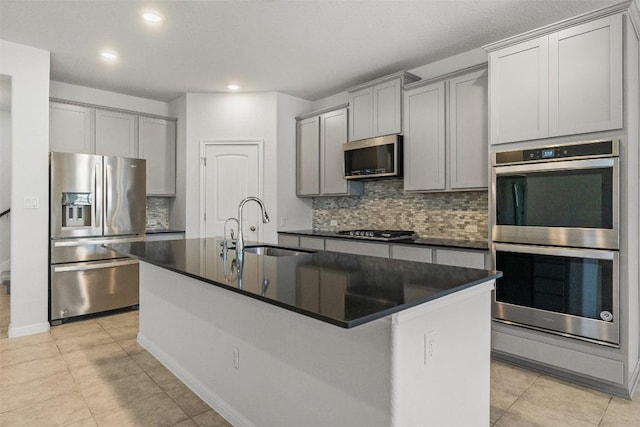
<point>384,235</point>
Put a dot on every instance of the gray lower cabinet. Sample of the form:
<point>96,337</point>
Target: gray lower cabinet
<point>445,140</point>
<point>357,248</point>
<point>289,240</point>
<point>164,236</point>
<point>320,158</point>
<point>412,253</point>
<point>312,243</point>
<point>458,257</point>
<point>461,258</point>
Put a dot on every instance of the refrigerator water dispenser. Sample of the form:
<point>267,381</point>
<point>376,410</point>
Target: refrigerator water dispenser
<point>76,209</point>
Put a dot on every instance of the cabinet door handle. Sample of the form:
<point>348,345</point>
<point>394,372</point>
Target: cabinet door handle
<point>252,228</point>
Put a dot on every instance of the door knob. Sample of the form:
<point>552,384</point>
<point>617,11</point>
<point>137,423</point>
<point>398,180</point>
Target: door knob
<point>252,228</point>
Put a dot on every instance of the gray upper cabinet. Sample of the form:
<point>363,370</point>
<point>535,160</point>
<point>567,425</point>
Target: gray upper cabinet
<point>91,130</point>
<point>563,83</point>
<point>116,134</point>
<point>445,138</point>
<point>468,131</point>
<point>585,77</point>
<point>520,91</point>
<point>157,144</point>
<point>320,157</point>
<point>361,118</point>
<point>333,133</point>
<point>71,128</point>
<point>376,106</point>
<point>424,138</point>
<point>308,156</point>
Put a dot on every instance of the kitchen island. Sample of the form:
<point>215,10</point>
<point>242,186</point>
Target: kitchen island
<point>318,339</point>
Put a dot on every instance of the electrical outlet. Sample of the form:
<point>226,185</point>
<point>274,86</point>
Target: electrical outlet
<point>429,347</point>
<point>31,202</point>
<point>333,223</point>
<point>471,228</point>
<point>236,358</point>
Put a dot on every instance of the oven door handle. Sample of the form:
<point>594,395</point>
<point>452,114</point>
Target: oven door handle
<point>557,166</point>
<point>94,266</point>
<point>557,251</point>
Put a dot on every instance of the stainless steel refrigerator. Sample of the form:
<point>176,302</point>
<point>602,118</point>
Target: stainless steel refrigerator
<point>94,200</point>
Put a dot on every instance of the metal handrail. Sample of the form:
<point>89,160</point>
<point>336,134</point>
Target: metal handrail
<point>5,212</point>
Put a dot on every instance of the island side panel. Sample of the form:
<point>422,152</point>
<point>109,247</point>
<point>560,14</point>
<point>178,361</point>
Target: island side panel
<point>441,361</point>
<point>293,370</point>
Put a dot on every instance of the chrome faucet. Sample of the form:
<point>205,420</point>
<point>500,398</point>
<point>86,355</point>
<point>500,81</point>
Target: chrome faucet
<point>224,243</point>
<point>265,219</point>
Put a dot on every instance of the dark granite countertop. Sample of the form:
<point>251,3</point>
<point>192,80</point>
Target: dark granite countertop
<point>342,289</point>
<point>450,243</point>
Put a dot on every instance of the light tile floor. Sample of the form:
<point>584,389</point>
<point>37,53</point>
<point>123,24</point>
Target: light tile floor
<point>93,373</point>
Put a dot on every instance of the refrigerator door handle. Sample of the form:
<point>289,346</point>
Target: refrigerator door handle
<point>97,208</point>
<point>107,195</point>
<point>96,266</point>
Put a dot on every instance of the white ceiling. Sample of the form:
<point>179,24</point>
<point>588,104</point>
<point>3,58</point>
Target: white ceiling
<point>308,49</point>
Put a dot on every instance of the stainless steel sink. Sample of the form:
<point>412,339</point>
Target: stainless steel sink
<point>275,251</point>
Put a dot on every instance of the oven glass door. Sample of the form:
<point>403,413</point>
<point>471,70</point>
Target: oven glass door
<point>572,291</point>
<point>570,203</point>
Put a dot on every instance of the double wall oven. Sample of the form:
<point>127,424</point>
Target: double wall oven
<point>555,232</point>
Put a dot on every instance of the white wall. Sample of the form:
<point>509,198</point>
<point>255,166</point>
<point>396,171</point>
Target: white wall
<point>29,72</point>
<point>293,213</point>
<point>178,109</point>
<point>105,98</point>
<point>5,170</point>
<point>234,116</point>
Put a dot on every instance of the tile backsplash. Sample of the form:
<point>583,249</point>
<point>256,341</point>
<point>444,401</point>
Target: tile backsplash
<point>385,205</point>
<point>158,209</point>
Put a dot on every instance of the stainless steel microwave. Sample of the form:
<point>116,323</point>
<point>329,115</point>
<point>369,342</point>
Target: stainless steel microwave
<point>373,158</point>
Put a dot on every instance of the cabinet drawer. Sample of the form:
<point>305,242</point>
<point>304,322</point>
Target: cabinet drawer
<point>409,253</point>
<point>288,240</point>
<point>312,243</point>
<point>358,248</point>
<point>460,258</point>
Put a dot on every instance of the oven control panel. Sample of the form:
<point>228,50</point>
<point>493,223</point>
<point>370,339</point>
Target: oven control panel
<point>608,148</point>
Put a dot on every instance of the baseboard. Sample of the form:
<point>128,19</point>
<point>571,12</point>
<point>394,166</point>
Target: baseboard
<point>212,399</point>
<point>634,381</point>
<point>28,330</point>
<point>564,375</point>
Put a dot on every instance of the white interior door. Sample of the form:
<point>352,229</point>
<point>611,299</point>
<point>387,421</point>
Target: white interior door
<point>231,171</point>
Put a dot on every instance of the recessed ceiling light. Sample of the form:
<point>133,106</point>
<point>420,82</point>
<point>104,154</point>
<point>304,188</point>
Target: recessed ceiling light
<point>152,16</point>
<point>233,87</point>
<point>109,55</point>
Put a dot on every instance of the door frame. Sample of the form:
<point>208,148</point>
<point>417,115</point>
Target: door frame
<point>204,143</point>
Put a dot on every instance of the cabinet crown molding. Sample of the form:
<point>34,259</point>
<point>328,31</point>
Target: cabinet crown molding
<point>404,76</point>
<point>322,111</point>
<point>453,74</point>
<point>117,110</point>
<point>625,6</point>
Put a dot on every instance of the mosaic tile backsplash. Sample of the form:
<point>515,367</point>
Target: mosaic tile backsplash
<point>385,205</point>
<point>158,209</point>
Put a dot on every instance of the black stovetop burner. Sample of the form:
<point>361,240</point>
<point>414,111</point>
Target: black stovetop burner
<point>386,235</point>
